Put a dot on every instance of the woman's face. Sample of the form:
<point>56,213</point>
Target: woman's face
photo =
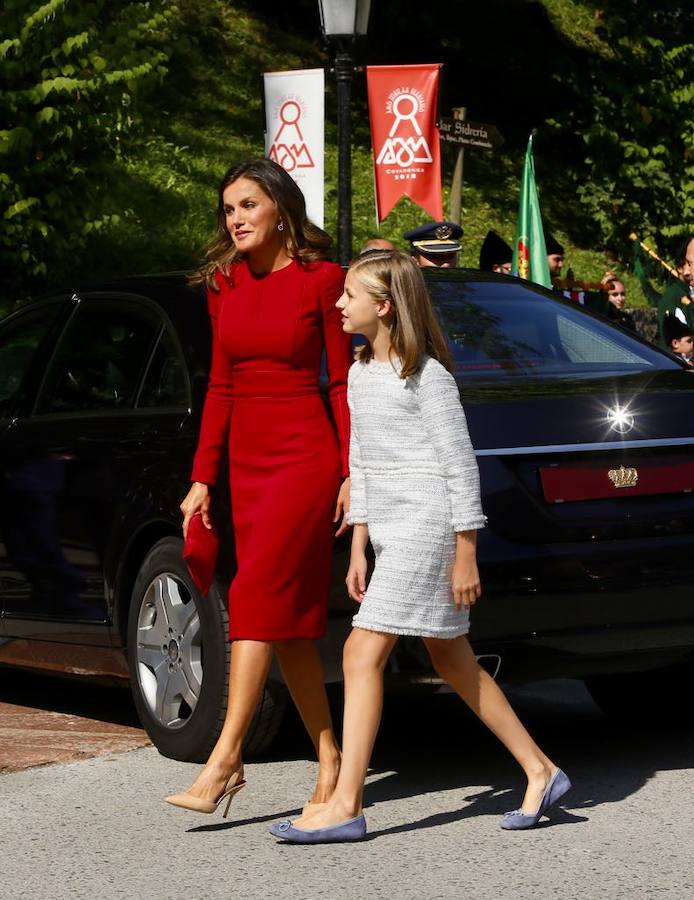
<point>251,216</point>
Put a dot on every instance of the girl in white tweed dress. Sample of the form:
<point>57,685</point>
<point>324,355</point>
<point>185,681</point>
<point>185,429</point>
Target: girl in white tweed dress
<point>415,495</point>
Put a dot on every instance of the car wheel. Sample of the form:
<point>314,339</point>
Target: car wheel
<point>178,656</point>
<point>647,698</point>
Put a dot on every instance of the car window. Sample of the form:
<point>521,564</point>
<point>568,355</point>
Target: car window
<point>20,336</point>
<point>505,329</point>
<point>101,358</point>
<point>166,381</point>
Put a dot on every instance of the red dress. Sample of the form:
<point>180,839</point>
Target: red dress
<point>285,458</point>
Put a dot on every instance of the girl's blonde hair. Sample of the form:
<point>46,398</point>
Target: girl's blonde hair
<point>415,331</point>
<point>303,240</point>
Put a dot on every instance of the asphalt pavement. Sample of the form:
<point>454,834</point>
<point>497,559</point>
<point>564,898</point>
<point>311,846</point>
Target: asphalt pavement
<point>98,828</point>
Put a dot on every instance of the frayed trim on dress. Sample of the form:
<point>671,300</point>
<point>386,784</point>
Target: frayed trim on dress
<point>475,525</point>
<point>411,632</point>
<point>357,519</point>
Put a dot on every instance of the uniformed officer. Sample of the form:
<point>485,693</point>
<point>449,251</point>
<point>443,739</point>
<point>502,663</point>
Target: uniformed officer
<point>435,244</point>
<point>680,293</point>
<point>495,254</point>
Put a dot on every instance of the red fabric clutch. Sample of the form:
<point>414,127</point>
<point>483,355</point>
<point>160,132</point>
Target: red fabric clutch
<point>200,551</point>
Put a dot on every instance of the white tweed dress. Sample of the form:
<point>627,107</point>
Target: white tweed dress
<point>415,483</point>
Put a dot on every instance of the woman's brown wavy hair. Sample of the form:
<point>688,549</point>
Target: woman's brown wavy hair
<point>414,331</point>
<point>302,239</point>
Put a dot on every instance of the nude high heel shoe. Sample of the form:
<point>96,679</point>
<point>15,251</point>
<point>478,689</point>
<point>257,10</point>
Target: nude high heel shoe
<point>197,804</point>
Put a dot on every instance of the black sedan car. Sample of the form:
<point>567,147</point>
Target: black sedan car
<point>584,436</point>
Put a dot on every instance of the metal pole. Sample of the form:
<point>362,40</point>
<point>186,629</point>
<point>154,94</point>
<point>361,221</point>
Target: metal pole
<point>344,71</point>
<point>455,201</point>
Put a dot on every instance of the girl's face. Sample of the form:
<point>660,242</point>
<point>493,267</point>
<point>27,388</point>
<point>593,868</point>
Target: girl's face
<point>251,216</point>
<point>617,294</point>
<point>360,311</point>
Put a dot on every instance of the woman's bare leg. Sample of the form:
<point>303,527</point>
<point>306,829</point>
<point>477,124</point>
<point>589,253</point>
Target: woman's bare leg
<point>302,669</point>
<point>455,662</point>
<point>364,659</point>
<point>248,671</point>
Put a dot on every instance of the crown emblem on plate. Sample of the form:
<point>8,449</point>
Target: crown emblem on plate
<point>623,478</point>
<point>443,232</point>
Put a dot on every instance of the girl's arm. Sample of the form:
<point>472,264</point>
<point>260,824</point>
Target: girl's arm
<point>356,575</point>
<point>465,579</point>
<point>357,500</point>
<point>445,423</point>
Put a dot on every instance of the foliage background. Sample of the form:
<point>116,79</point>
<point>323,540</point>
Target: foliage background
<point>119,118</point>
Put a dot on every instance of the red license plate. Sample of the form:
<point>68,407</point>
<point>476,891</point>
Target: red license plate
<point>563,483</point>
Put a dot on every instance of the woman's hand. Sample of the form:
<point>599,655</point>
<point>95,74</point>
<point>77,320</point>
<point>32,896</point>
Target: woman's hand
<point>342,507</point>
<point>197,500</point>
<point>465,579</point>
<point>356,577</point>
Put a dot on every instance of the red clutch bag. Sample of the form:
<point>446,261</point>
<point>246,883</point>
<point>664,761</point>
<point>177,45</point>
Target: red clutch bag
<point>200,551</point>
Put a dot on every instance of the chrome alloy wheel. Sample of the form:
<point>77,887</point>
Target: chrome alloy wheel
<point>169,651</point>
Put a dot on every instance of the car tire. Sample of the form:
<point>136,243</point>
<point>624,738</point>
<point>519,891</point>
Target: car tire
<point>647,698</point>
<point>178,657</point>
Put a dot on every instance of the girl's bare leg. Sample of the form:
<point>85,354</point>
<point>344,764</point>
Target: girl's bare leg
<point>248,671</point>
<point>455,662</point>
<point>303,674</point>
<point>364,659</point>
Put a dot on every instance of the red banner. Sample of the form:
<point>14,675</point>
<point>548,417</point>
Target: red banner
<point>404,136</point>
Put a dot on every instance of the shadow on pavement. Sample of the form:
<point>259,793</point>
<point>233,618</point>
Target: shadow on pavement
<point>76,697</point>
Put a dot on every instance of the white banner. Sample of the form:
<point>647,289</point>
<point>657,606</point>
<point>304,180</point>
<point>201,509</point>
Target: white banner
<point>294,131</point>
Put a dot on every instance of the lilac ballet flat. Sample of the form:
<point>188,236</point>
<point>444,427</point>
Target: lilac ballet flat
<point>554,791</point>
<point>349,830</point>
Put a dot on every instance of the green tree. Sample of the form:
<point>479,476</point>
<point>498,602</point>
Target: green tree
<point>73,73</point>
<point>636,120</point>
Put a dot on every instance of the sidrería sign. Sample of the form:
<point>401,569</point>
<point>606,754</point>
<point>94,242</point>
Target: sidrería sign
<point>470,134</point>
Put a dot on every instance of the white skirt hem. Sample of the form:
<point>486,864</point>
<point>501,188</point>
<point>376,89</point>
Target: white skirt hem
<point>442,633</point>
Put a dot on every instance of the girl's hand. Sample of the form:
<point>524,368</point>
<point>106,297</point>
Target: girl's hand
<point>197,500</point>
<point>465,583</point>
<point>356,577</point>
<point>342,507</point>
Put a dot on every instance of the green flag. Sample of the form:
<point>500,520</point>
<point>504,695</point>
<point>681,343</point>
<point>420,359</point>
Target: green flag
<point>529,251</point>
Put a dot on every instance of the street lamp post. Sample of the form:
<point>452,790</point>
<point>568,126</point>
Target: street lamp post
<point>342,21</point>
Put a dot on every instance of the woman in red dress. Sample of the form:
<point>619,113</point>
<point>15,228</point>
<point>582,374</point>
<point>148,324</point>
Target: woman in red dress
<point>271,298</point>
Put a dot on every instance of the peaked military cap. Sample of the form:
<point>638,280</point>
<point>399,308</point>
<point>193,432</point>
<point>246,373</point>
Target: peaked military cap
<point>435,237</point>
<point>552,245</point>
<point>494,252</point>
<point>674,328</point>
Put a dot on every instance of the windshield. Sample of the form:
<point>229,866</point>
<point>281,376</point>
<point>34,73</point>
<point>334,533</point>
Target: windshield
<point>506,329</point>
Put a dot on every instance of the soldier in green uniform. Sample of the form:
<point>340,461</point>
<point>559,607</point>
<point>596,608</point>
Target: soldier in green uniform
<point>680,293</point>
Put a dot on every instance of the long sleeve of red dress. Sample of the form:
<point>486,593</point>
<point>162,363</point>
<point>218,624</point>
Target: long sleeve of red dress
<point>214,427</point>
<point>339,358</point>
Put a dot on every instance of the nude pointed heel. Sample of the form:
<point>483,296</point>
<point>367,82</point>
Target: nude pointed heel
<point>197,804</point>
<point>231,793</point>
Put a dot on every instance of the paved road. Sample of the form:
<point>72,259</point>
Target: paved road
<point>98,828</point>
